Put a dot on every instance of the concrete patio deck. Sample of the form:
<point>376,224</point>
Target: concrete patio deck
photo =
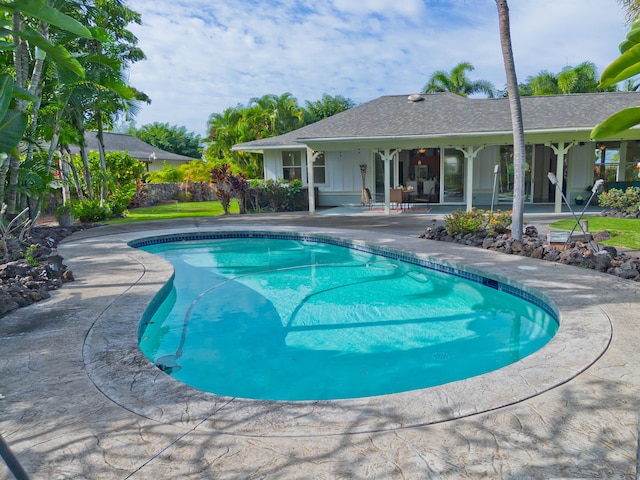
<point>81,401</point>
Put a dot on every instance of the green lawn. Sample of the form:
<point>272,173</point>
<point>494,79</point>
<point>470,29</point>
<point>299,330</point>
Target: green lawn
<point>625,232</point>
<point>168,211</point>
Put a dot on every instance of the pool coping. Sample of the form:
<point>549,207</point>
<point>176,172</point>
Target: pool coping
<point>112,357</point>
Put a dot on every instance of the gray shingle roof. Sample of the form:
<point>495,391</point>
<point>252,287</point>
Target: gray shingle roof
<point>122,142</point>
<point>450,114</point>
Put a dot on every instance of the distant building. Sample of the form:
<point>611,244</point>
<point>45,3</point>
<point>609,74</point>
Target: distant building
<point>152,156</point>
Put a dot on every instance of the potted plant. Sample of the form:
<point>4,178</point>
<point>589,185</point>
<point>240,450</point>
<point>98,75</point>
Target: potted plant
<point>579,199</point>
<point>65,214</point>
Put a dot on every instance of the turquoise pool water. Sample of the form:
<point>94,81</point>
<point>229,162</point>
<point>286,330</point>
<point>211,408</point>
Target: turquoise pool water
<point>280,319</point>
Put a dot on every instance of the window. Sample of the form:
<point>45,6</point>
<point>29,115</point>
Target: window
<point>291,166</point>
<point>319,170</point>
<point>607,162</point>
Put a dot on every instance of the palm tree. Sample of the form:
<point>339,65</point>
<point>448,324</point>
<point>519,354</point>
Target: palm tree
<point>326,107</point>
<point>457,82</point>
<point>632,8</point>
<point>544,83</point>
<point>580,79</point>
<point>31,40</point>
<point>519,153</point>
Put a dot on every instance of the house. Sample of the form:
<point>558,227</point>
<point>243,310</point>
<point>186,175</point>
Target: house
<point>447,149</point>
<point>152,156</point>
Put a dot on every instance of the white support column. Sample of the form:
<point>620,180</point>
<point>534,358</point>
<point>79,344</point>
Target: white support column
<point>387,156</point>
<point>560,149</point>
<point>311,158</point>
<point>470,154</point>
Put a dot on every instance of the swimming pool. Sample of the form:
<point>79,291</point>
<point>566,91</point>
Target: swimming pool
<point>332,322</point>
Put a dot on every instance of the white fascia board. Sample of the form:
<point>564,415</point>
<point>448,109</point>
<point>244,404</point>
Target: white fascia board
<point>295,146</point>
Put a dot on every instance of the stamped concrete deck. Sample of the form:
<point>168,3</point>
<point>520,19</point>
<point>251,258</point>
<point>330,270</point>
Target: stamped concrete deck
<point>81,401</point>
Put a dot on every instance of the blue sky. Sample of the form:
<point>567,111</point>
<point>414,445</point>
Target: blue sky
<point>206,55</point>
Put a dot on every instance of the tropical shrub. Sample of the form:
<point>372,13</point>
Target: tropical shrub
<point>120,199</point>
<point>477,220</point>
<point>226,185</point>
<point>275,195</point>
<point>92,210</point>
<point>499,222</point>
<point>461,222</point>
<point>168,174</point>
<point>627,201</point>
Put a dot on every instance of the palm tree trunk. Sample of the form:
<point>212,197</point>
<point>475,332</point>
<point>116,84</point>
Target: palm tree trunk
<point>103,161</point>
<point>519,151</point>
<point>4,169</point>
<point>12,191</point>
<point>66,157</point>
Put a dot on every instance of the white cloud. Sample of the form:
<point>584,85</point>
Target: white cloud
<point>205,56</point>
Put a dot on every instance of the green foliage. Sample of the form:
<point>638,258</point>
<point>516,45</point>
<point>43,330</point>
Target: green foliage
<point>196,171</point>
<point>326,107</point>
<point>123,174</point>
<point>263,117</point>
<point>626,66</point>
<point>124,169</point>
<point>579,79</point>
<point>92,210</point>
<point>120,198</point>
<point>477,220</point>
<point>171,139</point>
<point>457,82</point>
<point>168,174</point>
<point>627,201</point>
<point>461,222</point>
<point>498,222</point>
<point>28,255</point>
<point>13,122</point>
<point>275,195</point>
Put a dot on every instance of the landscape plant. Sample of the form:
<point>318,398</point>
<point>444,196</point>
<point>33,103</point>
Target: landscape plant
<point>460,222</point>
<point>627,201</point>
<point>226,185</point>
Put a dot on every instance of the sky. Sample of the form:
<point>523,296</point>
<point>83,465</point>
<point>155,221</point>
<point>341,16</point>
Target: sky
<point>203,56</point>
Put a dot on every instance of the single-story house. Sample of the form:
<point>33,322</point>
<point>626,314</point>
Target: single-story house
<point>152,156</point>
<point>447,149</point>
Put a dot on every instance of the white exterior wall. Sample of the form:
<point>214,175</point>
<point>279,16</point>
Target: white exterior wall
<point>580,170</point>
<point>343,178</point>
<point>483,166</point>
<point>343,184</point>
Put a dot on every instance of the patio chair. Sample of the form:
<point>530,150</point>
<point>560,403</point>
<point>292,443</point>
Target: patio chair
<point>395,197</point>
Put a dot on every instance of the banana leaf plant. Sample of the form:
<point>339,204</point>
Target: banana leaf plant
<point>13,122</point>
<point>622,68</point>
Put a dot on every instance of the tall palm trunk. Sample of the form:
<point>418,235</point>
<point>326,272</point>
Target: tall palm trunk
<point>33,84</point>
<point>21,65</point>
<point>519,152</point>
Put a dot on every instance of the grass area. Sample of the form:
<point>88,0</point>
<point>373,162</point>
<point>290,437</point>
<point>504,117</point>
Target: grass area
<point>169,211</point>
<point>625,232</point>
